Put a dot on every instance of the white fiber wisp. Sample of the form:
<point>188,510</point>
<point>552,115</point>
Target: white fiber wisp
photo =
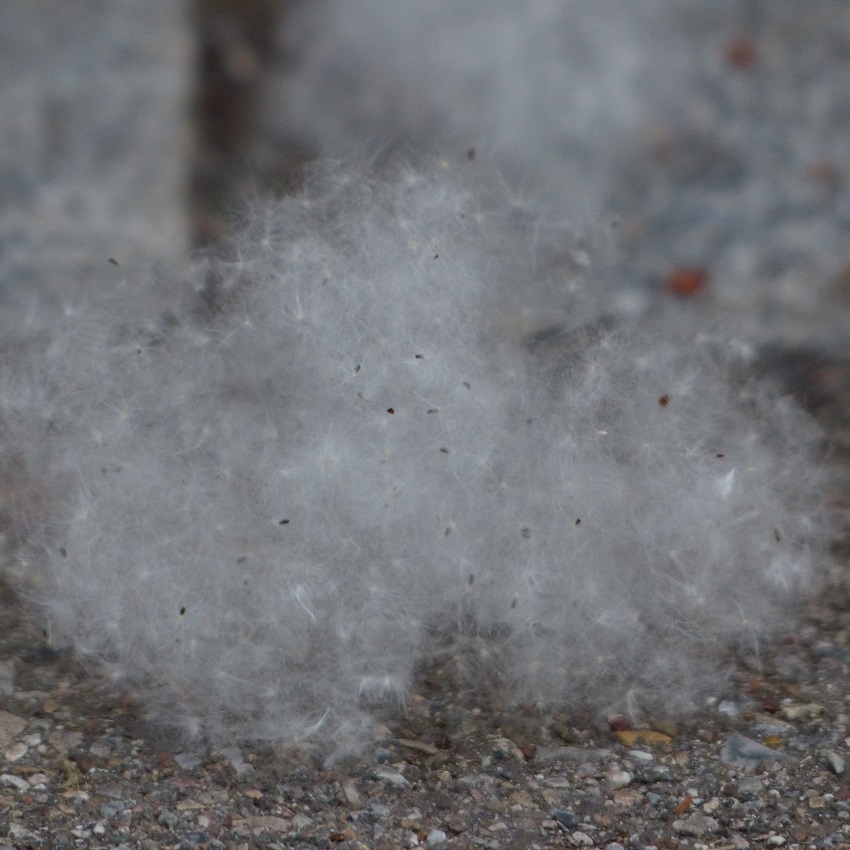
<point>395,415</point>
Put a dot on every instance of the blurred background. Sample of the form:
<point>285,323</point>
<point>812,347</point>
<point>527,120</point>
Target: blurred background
<point>710,139</point>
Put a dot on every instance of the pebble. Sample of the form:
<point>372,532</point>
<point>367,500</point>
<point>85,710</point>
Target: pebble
<point>711,806</point>
<point>549,755</point>
<point>188,761</point>
<point>739,750</point>
<point>352,795</point>
<point>233,756</point>
<point>16,752</point>
<point>618,779</point>
<point>109,810</point>
<point>565,818</point>
<point>696,825</point>
<point>382,754</point>
<point>109,746</point>
<point>802,711</point>
<point>10,727</point>
<point>168,819</point>
<point>19,782</point>
<point>504,750</point>
<point>391,776</point>
<point>835,761</point>
<point>435,837</point>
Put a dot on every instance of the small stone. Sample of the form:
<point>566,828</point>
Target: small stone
<point>739,750</point>
<point>817,802</point>
<point>835,761</point>
<point>628,738</point>
<point>276,824</point>
<point>695,824</point>
<point>109,746</point>
<point>18,830</point>
<point>188,761</point>
<point>199,839</point>
<point>233,756</point>
<point>379,809</point>
<point>775,841</point>
<point>418,746</point>
<point>10,727</point>
<point>352,795</point>
<point>504,750</point>
<point>626,797</point>
<point>435,837</point>
<point>551,755</point>
<point>83,760</point>
<point>456,824</point>
<point>581,839</point>
<point>618,779</point>
<point>801,711</point>
<point>17,781</point>
<point>168,819</point>
<point>522,799</point>
<point>109,810</point>
<point>390,776</point>
<point>15,752</point>
<point>565,818</point>
<point>614,845</point>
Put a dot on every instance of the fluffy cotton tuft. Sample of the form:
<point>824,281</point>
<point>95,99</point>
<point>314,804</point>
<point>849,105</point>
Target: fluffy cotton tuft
<point>394,419</point>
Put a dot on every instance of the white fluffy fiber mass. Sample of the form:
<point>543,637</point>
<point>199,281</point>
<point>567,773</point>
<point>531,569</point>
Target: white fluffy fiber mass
<point>394,418</point>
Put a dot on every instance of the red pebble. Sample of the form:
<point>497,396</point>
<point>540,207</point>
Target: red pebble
<point>685,281</point>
